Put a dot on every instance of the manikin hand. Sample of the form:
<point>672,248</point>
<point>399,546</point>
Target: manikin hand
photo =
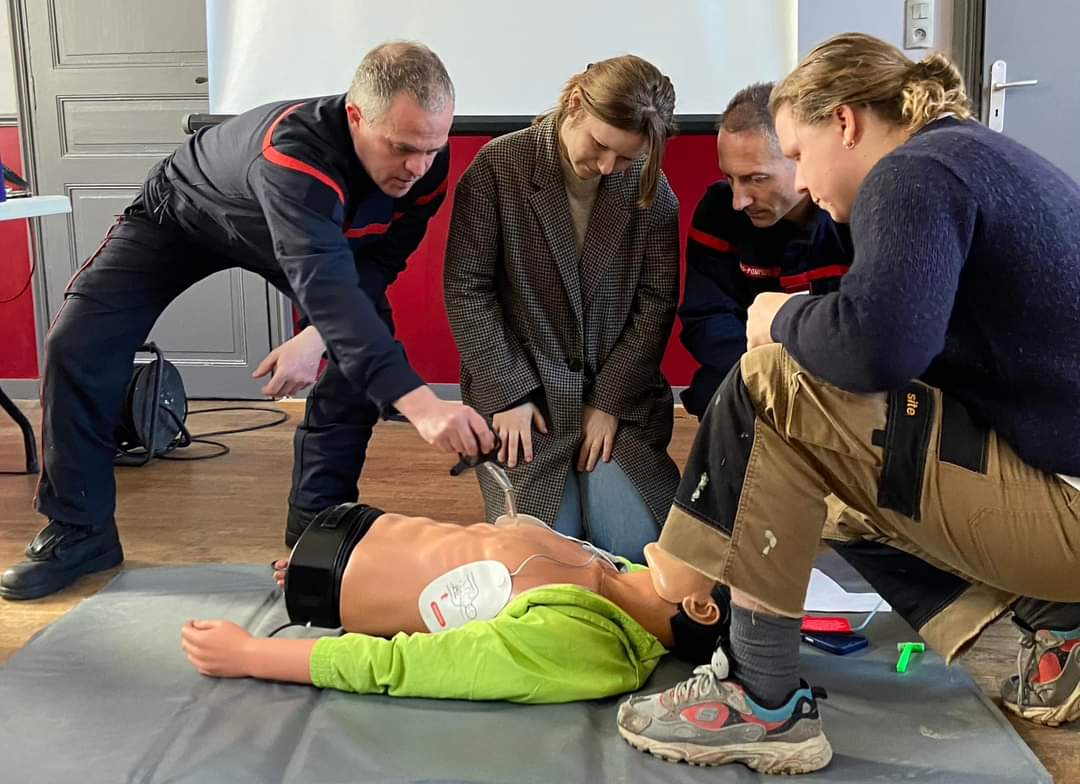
<point>294,364</point>
<point>451,427</point>
<point>598,430</point>
<point>217,648</point>
<point>759,317</point>
<point>221,649</point>
<point>514,426</point>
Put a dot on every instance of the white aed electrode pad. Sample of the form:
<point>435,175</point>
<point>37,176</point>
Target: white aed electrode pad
<point>474,591</point>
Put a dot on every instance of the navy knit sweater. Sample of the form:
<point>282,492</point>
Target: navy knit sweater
<point>966,275</point>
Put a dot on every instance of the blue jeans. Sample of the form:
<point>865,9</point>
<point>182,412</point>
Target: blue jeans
<point>605,508</point>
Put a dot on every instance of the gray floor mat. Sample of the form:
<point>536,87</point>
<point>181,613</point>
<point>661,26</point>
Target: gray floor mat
<point>105,695</point>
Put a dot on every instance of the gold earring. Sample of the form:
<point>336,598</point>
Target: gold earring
<point>849,144</point>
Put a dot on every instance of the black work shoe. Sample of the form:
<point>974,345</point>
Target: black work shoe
<point>60,554</point>
<point>299,520</point>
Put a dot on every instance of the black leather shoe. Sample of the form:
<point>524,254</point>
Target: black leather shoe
<point>299,520</point>
<point>59,555</point>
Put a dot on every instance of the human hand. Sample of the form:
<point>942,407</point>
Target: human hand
<point>217,648</point>
<point>294,364</point>
<point>598,430</point>
<point>514,426</point>
<point>759,317</point>
<point>280,565</point>
<point>446,425</point>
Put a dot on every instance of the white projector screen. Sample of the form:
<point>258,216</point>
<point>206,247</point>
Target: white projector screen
<point>506,57</point>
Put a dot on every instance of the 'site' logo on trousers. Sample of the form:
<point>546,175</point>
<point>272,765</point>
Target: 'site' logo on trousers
<point>912,404</point>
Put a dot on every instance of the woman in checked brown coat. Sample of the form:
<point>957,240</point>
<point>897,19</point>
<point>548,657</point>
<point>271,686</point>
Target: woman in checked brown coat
<point>561,283</point>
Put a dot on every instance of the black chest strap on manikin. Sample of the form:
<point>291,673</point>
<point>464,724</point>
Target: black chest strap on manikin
<point>318,560</point>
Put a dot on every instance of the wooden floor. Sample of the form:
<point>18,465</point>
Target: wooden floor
<point>232,510</point>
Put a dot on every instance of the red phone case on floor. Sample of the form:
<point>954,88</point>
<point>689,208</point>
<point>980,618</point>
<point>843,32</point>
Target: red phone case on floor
<point>826,624</point>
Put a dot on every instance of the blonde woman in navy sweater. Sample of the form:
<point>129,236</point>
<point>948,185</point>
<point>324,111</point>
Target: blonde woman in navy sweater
<point>937,392</point>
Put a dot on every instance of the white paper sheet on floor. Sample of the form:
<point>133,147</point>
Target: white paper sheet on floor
<point>826,595</point>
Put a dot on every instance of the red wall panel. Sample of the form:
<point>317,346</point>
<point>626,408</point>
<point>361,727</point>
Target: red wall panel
<point>420,315</point>
<point>422,326</point>
<point>691,167</point>
<point>417,297</point>
<point>18,350</point>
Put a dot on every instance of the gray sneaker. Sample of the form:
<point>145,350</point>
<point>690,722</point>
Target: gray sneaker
<point>707,720</point>
<point>1046,688</point>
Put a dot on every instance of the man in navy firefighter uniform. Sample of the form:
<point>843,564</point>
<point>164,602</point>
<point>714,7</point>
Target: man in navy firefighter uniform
<point>326,199</point>
<point>751,233</point>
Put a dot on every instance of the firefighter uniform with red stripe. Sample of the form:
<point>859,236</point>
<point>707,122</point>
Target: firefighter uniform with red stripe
<point>279,191</point>
<point>729,261</point>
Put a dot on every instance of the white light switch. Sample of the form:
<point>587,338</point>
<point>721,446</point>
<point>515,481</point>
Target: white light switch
<point>919,24</point>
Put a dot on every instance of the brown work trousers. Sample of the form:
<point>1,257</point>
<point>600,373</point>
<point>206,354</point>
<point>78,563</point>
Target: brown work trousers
<point>958,528</point>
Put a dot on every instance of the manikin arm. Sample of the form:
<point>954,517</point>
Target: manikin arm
<point>534,652</point>
<point>538,650</point>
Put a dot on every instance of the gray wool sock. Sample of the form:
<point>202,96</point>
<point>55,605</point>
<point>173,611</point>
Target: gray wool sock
<point>765,655</point>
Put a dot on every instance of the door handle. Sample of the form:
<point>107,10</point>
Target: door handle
<point>201,79</point>
<point>1006,85</point>
<point>995,118</point>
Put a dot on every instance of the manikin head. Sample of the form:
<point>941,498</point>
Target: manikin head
<point>703,606</point>
<point>400,107</point>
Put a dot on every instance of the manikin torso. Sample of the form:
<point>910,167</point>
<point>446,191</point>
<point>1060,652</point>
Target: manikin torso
<point>399,556</point>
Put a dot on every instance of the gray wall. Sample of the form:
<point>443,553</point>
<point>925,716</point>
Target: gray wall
<point>821,19</point>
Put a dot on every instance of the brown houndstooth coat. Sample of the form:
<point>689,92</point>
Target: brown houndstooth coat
<point>532,320</point>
